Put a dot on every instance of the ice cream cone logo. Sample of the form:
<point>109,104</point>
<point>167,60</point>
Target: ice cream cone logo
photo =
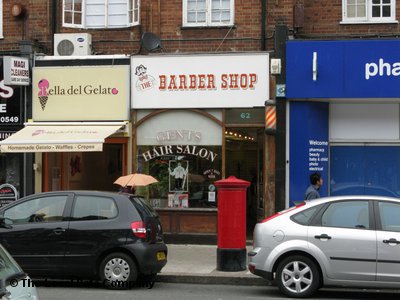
<point>43,95</point>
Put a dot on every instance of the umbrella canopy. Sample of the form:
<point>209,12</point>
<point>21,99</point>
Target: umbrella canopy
<point>136,179</point>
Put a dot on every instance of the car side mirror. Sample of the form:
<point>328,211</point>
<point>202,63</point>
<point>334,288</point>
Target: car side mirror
<point>6,223</point>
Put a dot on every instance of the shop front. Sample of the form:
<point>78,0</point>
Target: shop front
<point>194,124</point>
<point>80,129</point>
<point>344,117</point>
<point>12,183</point>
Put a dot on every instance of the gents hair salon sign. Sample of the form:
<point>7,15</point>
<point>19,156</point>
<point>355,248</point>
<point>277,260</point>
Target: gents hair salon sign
<point>200,81</point>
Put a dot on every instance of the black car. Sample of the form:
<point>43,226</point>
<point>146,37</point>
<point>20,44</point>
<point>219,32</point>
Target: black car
<point>112,237</point>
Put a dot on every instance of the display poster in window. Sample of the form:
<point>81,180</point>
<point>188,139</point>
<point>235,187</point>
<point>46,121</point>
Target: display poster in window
<point>178,200</point>
<point>10,103</point>
<point>211,196</point>
<point>178,179</point>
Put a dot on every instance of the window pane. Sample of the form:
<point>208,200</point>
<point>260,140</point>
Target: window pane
<point>390,216</point>
<point>386,11</point>
<point>47,209</point>
<point>351,12</point>
<point>304,217</point>
<point>78,5</point>
<point>117,9</point>
<point>68,5</point>
<point>191,17</point>
<point>216,16</point>
<point>376,11</point>
<point>348,214</point>
<point>77,18</point>
<point>216,4</point>
<point>94,208</point>
<point>361,12</point>
<point>95,9</point>
<point>376,1</point>
<point>226,4</point>
<point>386,1</point>
<point>201,17</point>
<point>95,21</point>
<point>226,16</point>
<point>116,20</point>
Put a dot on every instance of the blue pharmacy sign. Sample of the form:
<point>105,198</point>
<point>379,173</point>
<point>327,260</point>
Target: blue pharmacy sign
<point>308,150</point>
<point>343,69</point>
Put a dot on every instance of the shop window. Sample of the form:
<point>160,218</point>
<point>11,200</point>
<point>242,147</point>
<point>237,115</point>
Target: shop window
<point>208,12</point>
<point>10,171</point>
<point>369,11</point>
<point>100,13</point>
<point>183,151</point>
<point>186,174</point>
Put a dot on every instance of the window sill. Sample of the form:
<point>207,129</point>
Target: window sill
<point>368,22</point>
<point>207,27</point>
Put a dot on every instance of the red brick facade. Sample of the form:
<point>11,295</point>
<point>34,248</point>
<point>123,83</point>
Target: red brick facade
<point>318,19</point>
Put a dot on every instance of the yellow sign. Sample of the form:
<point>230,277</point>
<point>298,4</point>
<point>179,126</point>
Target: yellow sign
<point>97,93</point>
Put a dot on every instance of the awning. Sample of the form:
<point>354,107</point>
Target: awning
<point>60,137</point>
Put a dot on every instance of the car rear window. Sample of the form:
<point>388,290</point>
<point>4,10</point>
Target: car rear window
<point>145,210</point>
<point>304,217</point>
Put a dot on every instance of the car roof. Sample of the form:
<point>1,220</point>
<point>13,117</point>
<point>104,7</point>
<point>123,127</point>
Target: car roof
<point>352,197</point>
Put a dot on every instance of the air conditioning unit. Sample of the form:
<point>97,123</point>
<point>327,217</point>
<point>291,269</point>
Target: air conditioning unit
<point>71,44</point>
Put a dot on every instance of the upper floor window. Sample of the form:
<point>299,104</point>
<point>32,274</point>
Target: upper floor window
<point>369,11</point>
<point>100,13</point>
<point>208,12</point>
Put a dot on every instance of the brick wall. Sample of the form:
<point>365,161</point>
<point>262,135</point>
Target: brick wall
<point>163,18</point>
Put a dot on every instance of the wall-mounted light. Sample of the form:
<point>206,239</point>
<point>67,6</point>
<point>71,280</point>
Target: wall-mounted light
<point>17,10</point>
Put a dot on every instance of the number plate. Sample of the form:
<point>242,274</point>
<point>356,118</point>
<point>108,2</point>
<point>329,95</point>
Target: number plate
<point>161,256</point>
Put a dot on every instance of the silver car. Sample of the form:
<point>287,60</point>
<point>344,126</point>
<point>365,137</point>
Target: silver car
<point>336,241</point>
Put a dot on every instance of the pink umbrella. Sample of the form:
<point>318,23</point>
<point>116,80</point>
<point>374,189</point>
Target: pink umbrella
<point>135,179</point>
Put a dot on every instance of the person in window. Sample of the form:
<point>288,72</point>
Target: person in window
<point>180,175</point>
<point>312,191</point>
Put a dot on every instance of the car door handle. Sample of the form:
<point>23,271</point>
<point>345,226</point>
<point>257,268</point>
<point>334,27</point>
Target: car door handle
<point>323,237</point>
<point>391,241</point>
<point>59,231</point>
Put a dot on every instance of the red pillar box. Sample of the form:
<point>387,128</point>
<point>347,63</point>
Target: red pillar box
<point>231,251</point>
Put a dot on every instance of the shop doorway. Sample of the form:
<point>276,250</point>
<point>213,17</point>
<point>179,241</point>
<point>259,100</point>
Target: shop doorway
<point>245,160</point>
<point>85,170</point>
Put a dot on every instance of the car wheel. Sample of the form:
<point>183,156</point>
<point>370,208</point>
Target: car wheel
<point>297,276</point>
<point>118,271</point>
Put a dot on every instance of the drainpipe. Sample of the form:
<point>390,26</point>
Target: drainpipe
<point>53,20</point>
<point>263,25</point>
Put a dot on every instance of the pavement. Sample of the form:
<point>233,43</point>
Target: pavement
<point>198,264</point>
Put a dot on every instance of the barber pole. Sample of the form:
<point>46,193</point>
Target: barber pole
<point>270,118</point>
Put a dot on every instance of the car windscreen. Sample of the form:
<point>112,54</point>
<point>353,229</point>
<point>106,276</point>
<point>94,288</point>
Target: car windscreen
<point>143,207</point>
<point>8,266</point>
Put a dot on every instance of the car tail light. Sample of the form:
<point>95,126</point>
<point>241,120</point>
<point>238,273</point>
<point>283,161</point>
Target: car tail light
<point>282,212</point>
<point>139,229</point>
